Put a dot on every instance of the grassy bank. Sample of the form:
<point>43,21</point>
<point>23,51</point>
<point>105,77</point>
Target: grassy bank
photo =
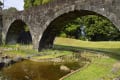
<point>110,46</point>
<point>17,50</point>
<point>64,46</point>
<point>26,50</point>
<point>104,66</point>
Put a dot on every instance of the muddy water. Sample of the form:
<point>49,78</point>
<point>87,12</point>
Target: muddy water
<point>30,70</point>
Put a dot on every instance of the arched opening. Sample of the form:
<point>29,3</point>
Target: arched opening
<point>18,32</point>
<point>58,25</point>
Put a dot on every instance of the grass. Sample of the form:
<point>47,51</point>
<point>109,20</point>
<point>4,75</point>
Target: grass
<point>52,54</point>
<point>99,69</point>
<point>26,50</point>
<point>17,50</point>
<point>110,46</point>
<point>20,50</point>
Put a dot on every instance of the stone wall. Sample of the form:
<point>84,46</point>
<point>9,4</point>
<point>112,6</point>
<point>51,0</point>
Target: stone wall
<point>39,18</point>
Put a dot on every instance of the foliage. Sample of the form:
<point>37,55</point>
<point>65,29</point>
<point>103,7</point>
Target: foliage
<point>31,3</point>
<point>91,27</point>
<point>72,29</point>
<point>98,28</point>
<point>27,3</point>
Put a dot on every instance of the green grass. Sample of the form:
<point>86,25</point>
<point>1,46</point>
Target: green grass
<point>52,54</point>
<point>110,46</point>
<point>17,50</point>
<point>26,50</point>
<point>100,68</point>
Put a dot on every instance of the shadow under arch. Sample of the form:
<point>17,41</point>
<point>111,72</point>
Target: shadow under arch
<point>54,28</point>
<point>18,32</point>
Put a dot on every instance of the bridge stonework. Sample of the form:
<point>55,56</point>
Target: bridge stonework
<point>39,18</point>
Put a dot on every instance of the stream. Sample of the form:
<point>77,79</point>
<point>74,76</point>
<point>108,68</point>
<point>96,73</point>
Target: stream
<point>42,70</point>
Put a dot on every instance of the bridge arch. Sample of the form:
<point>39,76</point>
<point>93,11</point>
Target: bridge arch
<point>52,26</point>
<point>18,32</point>
<point>41,17</point>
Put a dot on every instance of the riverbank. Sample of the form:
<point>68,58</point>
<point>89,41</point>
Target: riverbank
<point>103,65</point>
<point>101,68</point>
<point>63,46</point>
<point>105,46</point>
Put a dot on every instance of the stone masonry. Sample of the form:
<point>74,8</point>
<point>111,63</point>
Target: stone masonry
<point>43,20</point>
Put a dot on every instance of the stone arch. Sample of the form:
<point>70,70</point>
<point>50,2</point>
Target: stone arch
<point>48,36</point>
<point>18,32</point>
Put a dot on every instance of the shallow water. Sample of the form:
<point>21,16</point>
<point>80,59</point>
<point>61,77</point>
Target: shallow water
<point>42,70</point>
<point>30,70</point>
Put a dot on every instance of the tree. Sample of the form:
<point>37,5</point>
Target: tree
<point>99,28</point>
<point>91,27</point>
<point>31,3</point>
<point>72,29</point>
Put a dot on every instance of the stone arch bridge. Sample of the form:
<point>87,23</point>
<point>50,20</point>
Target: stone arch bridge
<point>46,21</point>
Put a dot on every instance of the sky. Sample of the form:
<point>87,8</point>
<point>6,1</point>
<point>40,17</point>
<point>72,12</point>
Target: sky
<point>13,3</point>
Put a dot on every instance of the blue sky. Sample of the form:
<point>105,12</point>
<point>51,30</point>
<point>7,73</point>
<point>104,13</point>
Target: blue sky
<point>13,3</point>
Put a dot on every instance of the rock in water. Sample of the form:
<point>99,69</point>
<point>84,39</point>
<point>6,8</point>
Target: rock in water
<point>2,64</point>
<point>64,68</point>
